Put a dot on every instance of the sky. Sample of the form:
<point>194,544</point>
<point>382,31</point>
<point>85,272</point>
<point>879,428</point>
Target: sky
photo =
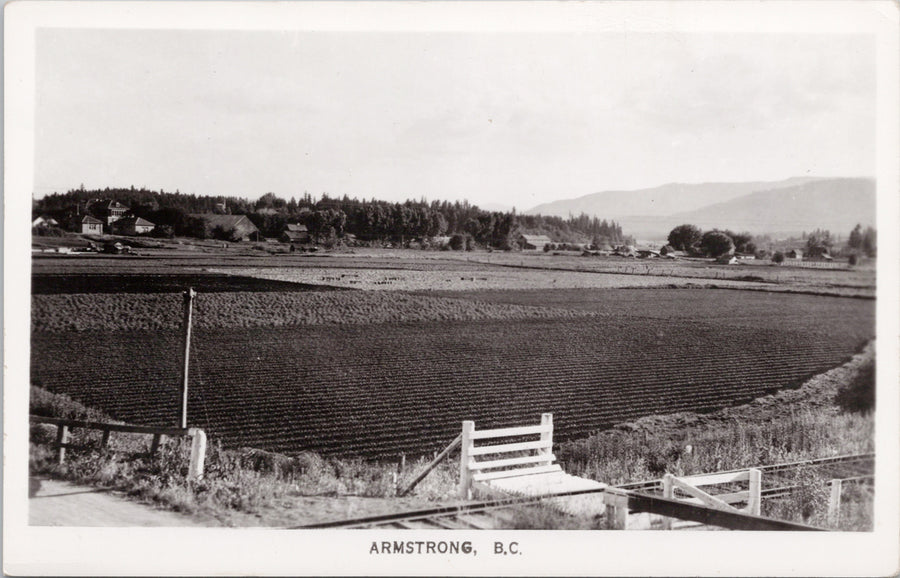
<point>496,118</point>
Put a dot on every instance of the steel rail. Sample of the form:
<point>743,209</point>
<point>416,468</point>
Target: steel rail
<point>467,508</point>
<point>773,468</point>
<point>487,505</point>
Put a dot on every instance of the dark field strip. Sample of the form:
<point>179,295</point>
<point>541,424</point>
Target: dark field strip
<point>382,390</point>
<point>173,263</point>
<point>79,283</point>
<point>758,308</point>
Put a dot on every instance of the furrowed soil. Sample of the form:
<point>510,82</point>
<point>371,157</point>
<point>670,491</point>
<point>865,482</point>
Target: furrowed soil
<point>385,389</point>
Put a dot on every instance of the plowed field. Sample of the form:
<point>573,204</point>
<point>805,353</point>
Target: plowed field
<point>381,389</point>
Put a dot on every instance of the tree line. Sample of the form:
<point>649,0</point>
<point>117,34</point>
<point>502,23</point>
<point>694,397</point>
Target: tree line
<point>330,218</point>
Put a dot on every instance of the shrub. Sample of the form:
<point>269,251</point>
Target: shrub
<point>47,232</point>
<point>778,257</point>
<point>162,232</point>
<point>859,395</point>
<point>854,259</point>
<point>457,242</point>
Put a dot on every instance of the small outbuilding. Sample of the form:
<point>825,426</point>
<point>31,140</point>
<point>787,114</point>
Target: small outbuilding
<point>89,224</point>
<point>727,259</point>
<point>240,226</point>
<point>44,221</point>
<point>295,233</point>
<point>533,242</point>
<point>132,226</point>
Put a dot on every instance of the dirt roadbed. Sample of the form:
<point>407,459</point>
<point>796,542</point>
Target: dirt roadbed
<point>59,503</point>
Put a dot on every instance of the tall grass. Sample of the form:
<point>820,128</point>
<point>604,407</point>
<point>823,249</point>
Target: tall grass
<point>618,456</point>
<point>245,480</point>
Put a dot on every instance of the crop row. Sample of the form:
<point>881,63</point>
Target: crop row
<point>440,280</point>
<point>135,311</point>
<point>381,390</point>
<point>162,282</point>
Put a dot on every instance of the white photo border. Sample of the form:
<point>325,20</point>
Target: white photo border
<point>218,551</point>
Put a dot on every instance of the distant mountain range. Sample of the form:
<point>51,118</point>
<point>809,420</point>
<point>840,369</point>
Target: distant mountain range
<point>779,207</point>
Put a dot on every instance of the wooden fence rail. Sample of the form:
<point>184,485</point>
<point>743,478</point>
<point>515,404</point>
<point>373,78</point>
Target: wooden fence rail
<point>63,427</point>
<point>438,459</point>
<point>621,502</point>
<point>691,485</point>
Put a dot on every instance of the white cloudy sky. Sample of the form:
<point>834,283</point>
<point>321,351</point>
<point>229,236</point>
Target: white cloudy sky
<point>507,118</point>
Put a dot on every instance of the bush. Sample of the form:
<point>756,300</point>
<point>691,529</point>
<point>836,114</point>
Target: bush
<point>457,242</point>
<point>225,234</point>
<point>858,396</point>
<point>854,259</point>
<point>162,232</point>
<point>716,244</point>
<point>47,232</point>
<point>778,257</point>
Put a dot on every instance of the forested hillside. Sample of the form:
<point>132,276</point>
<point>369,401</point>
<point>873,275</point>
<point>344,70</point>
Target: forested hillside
<point>329,218</point>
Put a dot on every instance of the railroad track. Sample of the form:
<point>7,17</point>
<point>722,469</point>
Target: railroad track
<point>778,481</point>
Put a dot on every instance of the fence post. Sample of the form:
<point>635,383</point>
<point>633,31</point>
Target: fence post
<point>465,477</point>
<point>547,436</point>
<point>198,453</point>
<point>834,503</point>
<point>754,499</point>
<point>62,438</point>
<point>154,445</point>
<point>616,510</point>
<point>668,493</point>
<point>104,441</point>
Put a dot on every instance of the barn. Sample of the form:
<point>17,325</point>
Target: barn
<point>533,242</point>
<point>243,228</point>
<point>294,233</point>
<point>44,221</point>
<point>133,226</point>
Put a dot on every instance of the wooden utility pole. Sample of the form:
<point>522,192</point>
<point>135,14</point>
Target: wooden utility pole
<point>188,306</point>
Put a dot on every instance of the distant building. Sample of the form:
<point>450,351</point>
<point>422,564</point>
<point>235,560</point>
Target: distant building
<point>670,252</point>
<point>294,233</point>
<point>533,242</point>
<point>243,228</point>
<point>819,253</point>
<point>113,211</point>
<point>625,251</point>
<point>133,226</point>
<point>794,254</point>
<point>89,224</point>
<point>44,221</point>
<point>728,259</point>
<point>647,254</point>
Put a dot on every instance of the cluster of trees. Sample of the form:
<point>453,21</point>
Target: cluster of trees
<point>863,241</point>
<point>328,219</point>
<point>714,243</point>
